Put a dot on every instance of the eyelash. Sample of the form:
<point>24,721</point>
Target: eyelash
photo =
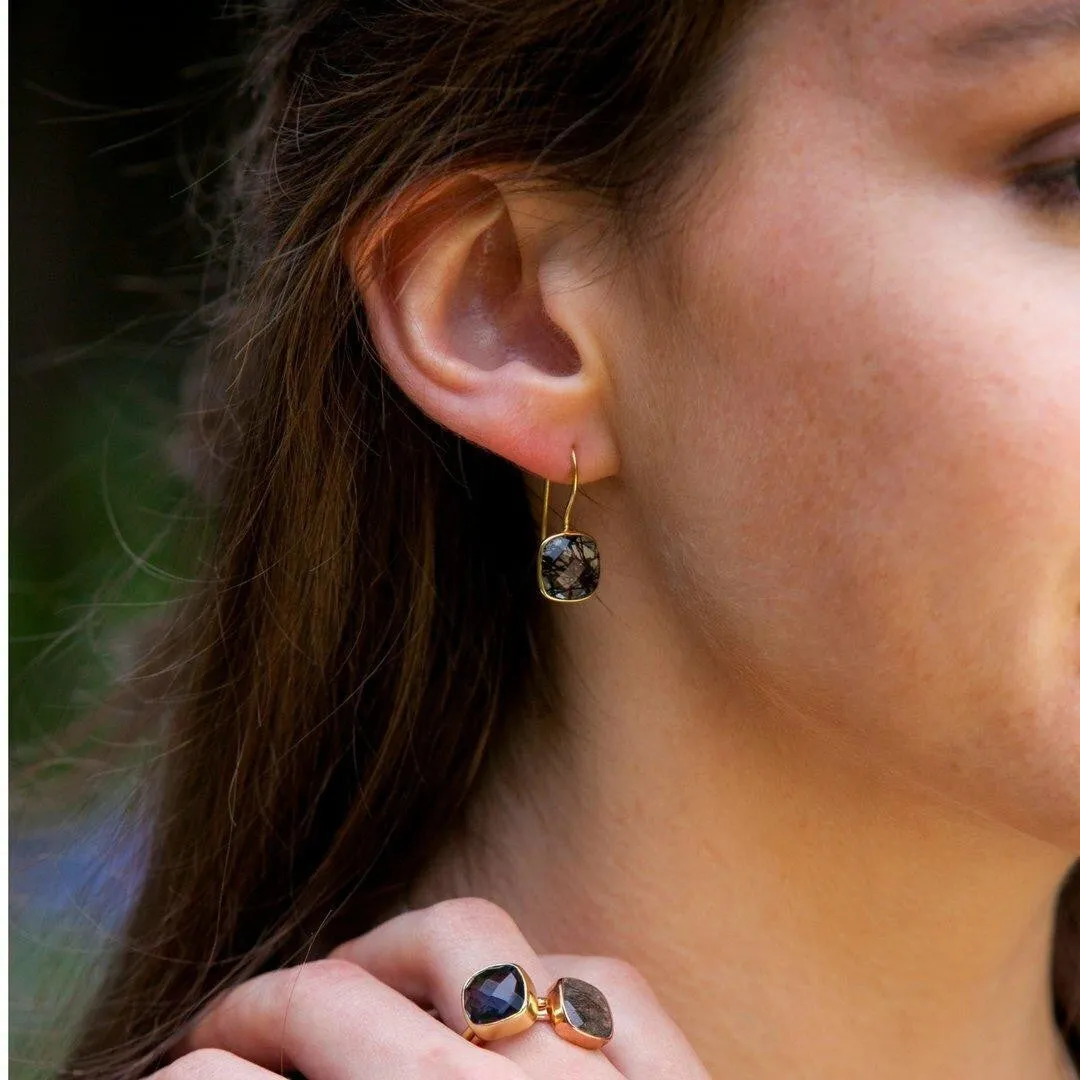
<point>1052,188</point>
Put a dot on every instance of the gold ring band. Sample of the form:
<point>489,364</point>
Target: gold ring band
<point>501,1000</point>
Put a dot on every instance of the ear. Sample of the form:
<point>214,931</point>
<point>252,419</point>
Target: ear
<point>486,310</point>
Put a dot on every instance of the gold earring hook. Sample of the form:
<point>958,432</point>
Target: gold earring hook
<point>570,501</point>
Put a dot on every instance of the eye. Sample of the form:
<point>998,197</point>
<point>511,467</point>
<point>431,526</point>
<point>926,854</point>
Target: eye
<point>1046,170</point>
<point>1051,187</point>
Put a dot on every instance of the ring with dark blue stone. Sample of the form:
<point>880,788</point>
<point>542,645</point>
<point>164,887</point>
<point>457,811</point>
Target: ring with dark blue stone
<point>499,1001</point>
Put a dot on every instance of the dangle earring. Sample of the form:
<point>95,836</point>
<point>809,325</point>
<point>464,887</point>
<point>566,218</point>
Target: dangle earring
<point>568,563</point>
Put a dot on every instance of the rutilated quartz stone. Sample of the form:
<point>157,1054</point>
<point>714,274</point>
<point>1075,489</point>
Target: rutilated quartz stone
<point>586,1008</point>
<point>569,566</point>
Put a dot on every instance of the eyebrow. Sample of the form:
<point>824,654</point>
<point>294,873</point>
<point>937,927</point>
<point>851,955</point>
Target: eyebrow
<point>1047,24</point>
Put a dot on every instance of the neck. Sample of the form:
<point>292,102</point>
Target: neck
<point>797,911</point>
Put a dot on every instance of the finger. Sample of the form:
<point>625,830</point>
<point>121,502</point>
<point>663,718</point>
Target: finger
<point>332,1020</point>
<point>212,1065</point>
<point>429,953</point>
<point>649,1043</point>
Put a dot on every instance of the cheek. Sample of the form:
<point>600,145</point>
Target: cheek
<point>881,444</point>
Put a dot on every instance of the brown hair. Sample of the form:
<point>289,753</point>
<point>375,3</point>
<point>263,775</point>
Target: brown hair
<point>370,624</point>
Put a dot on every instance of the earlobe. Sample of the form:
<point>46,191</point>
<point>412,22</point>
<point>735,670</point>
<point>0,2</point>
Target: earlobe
<point>455,303</point>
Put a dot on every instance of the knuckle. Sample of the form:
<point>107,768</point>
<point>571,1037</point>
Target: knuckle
<point>614,971</point>
<point>467,917</point>
<point>335,968</point>
<point>313,983</point>
<point>444,1060</point>
<point>448,1061</point>
<point>202,1064</point>
<point>326,974</point>
<point>498,1068</point>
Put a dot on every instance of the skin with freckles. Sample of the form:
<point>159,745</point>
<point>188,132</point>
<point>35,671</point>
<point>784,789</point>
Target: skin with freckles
<point>903,525</point>
<point>818,766</point>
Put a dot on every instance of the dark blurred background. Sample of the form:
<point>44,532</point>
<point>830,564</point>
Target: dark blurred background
<point>115,111</point>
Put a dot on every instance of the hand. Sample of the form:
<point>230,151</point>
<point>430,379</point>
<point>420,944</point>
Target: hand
<point>361,1013</point>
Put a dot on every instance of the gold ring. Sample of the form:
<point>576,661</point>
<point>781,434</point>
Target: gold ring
<point>501,1000</point>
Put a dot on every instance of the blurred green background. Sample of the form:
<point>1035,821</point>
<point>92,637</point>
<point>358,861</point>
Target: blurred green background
<point>115,109</point>
<point>111,110</point>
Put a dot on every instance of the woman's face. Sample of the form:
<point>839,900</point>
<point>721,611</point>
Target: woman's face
<point>867,382</point>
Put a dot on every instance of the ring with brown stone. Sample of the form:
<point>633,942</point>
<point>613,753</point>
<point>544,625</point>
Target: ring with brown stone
<point>501,1000</point>
<point>580,1013</point>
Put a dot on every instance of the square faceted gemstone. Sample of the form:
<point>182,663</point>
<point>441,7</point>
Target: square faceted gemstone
<point>569,566</point>
<point>586,1008</point>
<point>494,994</point>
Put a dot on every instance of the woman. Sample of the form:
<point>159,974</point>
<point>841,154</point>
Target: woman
<point>786,769</point>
